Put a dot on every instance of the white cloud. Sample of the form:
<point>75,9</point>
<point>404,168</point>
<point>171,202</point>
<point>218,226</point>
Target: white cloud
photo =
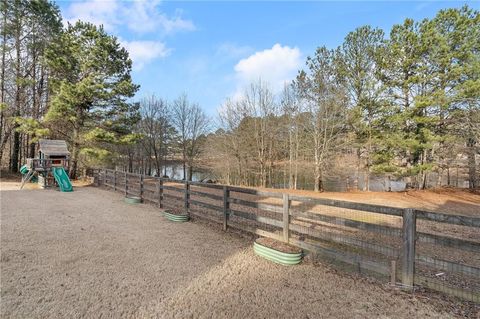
<point>145,16</point>
<point>143,52</point>
<point>95,11</point>
<point>141,16</point>
<point>274,66</point>
<point>176,23</point>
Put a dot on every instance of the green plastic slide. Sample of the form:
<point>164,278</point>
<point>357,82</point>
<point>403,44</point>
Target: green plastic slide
<point>62,179</point>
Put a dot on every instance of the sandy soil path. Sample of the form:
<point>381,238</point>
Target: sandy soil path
<point>87,254</point>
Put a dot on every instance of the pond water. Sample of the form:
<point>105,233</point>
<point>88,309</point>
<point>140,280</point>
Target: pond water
<point>306,181</point>
<point>175,171</point>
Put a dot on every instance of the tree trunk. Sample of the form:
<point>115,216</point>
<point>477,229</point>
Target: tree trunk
<point>448,176</point>
<point>184,170</point>
<point>472,165</point>
<point>18,89</point>
<point>290,160</point>
<point>184,163</point>
<point>4,135</point>
<point>15,151</point>
<point>366,180</point>
<point>32,150</point>
<point>263,175</point>
<point>74,161</point>
<point>439,178</point>
<point>130,162</point>
<point>318,186</point>
<point>357,170</point>
<point>424,180</point>
<point>75,152</point>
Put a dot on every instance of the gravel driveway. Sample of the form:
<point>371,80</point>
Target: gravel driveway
<point>87,254</point>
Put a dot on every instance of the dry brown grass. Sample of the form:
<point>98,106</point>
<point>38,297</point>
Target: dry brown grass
<point>445,200</point>
<point>87,254</point>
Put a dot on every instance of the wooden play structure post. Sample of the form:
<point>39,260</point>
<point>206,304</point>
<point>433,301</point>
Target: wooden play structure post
<point>408,248</point>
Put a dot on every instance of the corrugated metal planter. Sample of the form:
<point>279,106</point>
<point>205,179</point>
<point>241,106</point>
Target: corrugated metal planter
<point>133,200</point>
<point>280,257</point>
<point>175,218</point>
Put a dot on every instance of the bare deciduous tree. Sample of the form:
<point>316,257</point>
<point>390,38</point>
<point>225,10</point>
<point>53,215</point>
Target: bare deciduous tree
<point>259,106</point>
<point>155,128</point>
<point>326,104</point>
<point>191,124</point>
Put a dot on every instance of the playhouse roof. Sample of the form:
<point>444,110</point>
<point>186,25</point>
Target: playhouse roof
<point>53,147</point>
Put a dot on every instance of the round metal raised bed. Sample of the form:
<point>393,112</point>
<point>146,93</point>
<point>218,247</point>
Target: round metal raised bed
<point>277,256</point>
<point>133,200</point>
<point>176,218</point>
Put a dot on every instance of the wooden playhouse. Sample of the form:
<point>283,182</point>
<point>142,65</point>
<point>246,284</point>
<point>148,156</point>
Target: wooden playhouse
<point>51,166</point>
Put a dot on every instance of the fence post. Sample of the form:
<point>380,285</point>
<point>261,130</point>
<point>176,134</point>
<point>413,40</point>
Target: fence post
<point>115,180</point>
<point>126,184</point>
<point>104,177</point>
<point>408,256</point>
<point>393,272</point>
<point>226,206</point>
<point>160,192</point>
<point>141,187</point>
<point>286,218</point>
<point>187,197</point>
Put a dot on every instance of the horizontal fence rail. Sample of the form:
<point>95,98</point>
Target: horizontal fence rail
<point>374,239</point>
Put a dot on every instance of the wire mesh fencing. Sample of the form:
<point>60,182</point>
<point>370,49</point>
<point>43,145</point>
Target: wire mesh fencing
<point>407,247</point>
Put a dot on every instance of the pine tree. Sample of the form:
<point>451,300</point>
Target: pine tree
<point>358,70</point>
<point>91,84</point>
<point>403,74</point>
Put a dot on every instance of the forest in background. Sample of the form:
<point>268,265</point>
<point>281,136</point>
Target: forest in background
<point>399,105</point>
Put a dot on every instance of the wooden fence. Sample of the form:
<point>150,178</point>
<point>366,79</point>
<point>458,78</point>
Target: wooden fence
<point>420,248</point>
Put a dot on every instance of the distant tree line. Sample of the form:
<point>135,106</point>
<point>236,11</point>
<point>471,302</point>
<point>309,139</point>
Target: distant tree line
<point>402,106</point>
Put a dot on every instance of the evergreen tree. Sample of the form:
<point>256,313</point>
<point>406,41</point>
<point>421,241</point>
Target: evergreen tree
<point>357,64</point>
<point>408,127</point>
<point>91,84</point>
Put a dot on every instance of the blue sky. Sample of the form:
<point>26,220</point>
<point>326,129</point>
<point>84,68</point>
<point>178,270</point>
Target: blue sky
<point>212,49</point>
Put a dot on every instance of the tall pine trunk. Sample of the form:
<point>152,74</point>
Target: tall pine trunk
<point>75,151</point>
<point>18,89</point>
<point>4,135</point>
<point>472,165</point>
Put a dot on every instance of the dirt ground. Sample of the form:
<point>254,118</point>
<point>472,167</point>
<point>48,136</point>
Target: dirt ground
<point>87,254</point>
